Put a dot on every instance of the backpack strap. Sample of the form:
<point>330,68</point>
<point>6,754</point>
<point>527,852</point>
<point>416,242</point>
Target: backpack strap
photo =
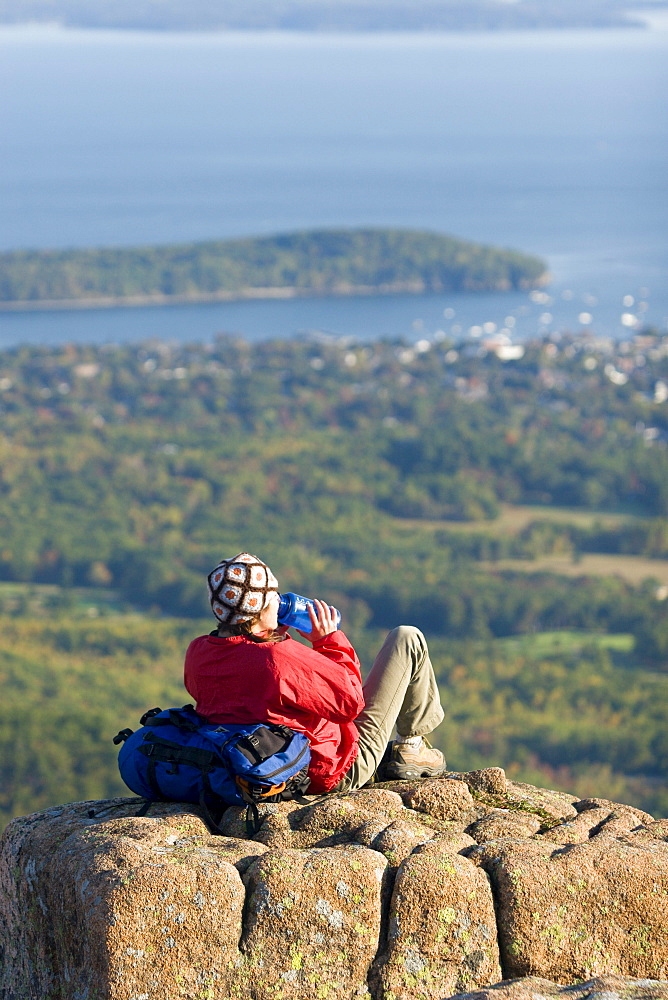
<point>211,822</point>
<point>253,821</point>
<point>267,740</point>
<point>251,794</point>
<point>149,715</point>
<point>168,752</point>
<point>214,827</point>
<point>182,718</point>
<point>159,750</point>
<point>152,780</point>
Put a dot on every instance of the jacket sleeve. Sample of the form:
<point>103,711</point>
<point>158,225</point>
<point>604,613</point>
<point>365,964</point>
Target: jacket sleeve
<point>324,681</point>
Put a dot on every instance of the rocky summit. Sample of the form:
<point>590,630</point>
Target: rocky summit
<point>469,885</point>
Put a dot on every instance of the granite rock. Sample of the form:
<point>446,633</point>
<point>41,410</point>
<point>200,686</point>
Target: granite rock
<point>121,907</point>
<point>571,912</point>
<point>504,823</point>
<point>601,988</point>
<point>489,780</point>
<point>442,929</point>
<point>400,891</point>
<point>443,798</point>
<point>313,920</point>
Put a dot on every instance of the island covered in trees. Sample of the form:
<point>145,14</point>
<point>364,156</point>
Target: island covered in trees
<point>312,262</point>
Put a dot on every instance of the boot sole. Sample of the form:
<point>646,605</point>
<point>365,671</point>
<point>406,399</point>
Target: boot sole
<point>394,771</point>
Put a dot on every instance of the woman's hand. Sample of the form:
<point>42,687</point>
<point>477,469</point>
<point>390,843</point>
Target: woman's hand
<point>323,620</point>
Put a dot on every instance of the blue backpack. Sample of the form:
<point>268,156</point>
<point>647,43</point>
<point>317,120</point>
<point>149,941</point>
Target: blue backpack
<point>177,756</point>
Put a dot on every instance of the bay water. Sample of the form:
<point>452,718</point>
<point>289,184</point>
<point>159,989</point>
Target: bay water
<point>555,143</point>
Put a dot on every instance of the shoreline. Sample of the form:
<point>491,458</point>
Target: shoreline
<point>252,294</point>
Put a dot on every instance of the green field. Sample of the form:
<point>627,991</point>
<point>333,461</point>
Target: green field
<point>632,569</point>
<point>513,518</point>
<point>555,643</point>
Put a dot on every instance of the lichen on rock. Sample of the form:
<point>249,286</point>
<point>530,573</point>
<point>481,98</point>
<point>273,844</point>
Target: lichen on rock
<point>601,988</point>
<point>442,929</point>
<point>313,920</point>
<point>400,891</point>
<point>581,910</point>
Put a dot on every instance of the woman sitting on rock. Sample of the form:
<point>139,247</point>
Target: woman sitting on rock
<point>250,670</point>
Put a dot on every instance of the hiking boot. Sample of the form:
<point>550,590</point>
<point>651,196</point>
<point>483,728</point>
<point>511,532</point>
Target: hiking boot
<point>407,761</point>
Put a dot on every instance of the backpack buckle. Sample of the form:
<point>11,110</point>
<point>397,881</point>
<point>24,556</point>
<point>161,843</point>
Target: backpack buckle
<point>149,715</point>
<point>122,736</point>
<point>254,793</point>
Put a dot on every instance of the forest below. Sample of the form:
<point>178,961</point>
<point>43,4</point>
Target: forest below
<point>372,474</point>
<point>313,262</point>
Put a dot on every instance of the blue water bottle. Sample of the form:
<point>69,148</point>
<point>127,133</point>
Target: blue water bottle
<point>293,611</point>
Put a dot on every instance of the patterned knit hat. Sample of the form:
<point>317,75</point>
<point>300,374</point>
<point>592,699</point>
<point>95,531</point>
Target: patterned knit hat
<point>240,588</point>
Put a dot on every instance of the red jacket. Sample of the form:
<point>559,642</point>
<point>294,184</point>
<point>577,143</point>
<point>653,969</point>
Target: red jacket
<point>315,691</point>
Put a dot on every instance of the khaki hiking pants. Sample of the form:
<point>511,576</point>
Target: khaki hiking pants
<point>400,691</point>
